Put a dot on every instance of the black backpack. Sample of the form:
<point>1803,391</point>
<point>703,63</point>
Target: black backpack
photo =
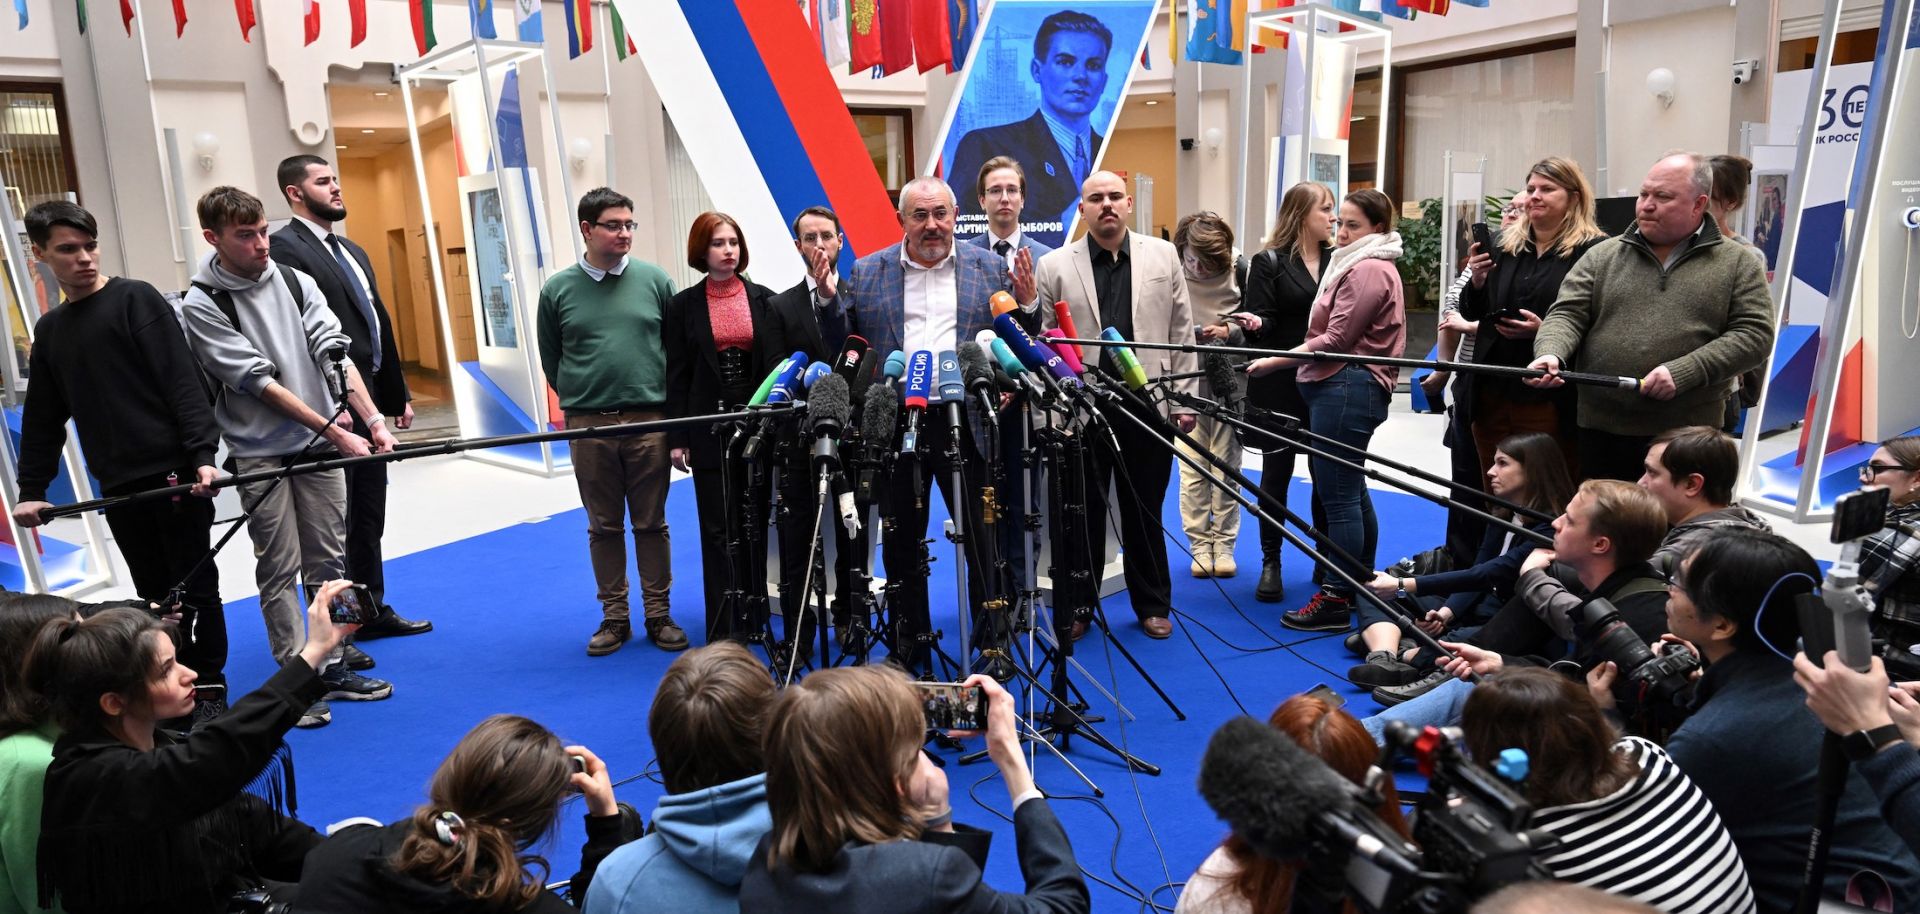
<point>223,300</point>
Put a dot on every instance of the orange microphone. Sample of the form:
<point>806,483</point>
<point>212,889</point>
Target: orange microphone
<point>1002,303</point>
<point>1063,316</point>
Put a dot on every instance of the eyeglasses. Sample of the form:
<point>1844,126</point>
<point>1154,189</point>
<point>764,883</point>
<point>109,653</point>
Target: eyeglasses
<point>1003,191</point>
<point>613,226</point>
<point>1868,472</point>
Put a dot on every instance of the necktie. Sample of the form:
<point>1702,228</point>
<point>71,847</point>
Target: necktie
<point>359,294</point>
<point>1079,159</point>
<point>1002,246</point>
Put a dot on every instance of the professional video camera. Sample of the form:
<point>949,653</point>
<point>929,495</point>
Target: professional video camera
<point>1287,804</point>
<point>1662,676</point>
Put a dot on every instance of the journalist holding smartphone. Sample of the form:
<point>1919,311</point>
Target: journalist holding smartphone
<point>1515,281</point>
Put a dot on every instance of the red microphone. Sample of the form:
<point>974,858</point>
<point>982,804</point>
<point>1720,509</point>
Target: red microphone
<point>1063,316</point>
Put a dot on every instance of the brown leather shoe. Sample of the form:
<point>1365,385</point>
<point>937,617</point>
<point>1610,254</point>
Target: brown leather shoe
<point>1157,627</point>
<point>612,634</point>
<point>1079,630</point>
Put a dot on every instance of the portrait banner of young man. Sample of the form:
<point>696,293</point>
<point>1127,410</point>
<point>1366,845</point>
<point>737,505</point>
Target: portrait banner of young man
<point>1050,110</point>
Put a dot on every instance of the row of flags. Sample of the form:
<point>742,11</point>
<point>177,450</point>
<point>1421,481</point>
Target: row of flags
<point>526,15</point>
<point>888,36</point>
<point>1216,28</point>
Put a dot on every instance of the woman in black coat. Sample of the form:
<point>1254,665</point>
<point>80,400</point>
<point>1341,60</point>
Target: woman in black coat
<point>1281,285</point>
<point>136,818</point>
<point>722,337</point>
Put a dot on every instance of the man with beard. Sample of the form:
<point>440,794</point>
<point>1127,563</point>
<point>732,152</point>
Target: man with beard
<point>345,277</point>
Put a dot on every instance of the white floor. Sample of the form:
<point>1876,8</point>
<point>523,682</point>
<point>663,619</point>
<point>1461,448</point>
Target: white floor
<point>433,501</point>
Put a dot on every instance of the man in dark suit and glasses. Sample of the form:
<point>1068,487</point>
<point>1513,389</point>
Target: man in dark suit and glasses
<point>341,269</point>
<point>1057,144</point>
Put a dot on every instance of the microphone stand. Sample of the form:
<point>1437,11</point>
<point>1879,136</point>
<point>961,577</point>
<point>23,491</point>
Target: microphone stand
<point>1220,412</point>
<point>906,592</point>
<point>957,532</point>
<point>745,501</point>
<point>1117,391</point>
<point>857,639</point>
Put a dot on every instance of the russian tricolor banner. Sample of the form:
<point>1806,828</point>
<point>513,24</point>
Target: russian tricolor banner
<point>764,125</point>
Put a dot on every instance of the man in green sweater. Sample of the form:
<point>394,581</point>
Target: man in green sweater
<point>599,328</point>
<point>1669,302</point>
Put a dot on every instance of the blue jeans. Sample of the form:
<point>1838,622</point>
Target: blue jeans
<point>1347,408</point>
<point>1439,708</point>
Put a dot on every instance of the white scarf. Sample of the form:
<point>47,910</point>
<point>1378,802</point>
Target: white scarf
<point>1368,247</point>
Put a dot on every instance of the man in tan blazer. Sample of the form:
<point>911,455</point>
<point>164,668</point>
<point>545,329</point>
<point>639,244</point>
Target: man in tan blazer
<point>1113,277</point>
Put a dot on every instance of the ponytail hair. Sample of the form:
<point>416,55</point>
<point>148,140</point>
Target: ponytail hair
<point>71,663</point>
<point>21,617</point>
<point>496,795</point>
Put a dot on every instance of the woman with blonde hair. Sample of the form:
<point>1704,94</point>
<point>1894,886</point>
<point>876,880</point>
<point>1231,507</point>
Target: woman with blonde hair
<point>857,807</point>
<point>1513,288</point>
<point>1282,281</point>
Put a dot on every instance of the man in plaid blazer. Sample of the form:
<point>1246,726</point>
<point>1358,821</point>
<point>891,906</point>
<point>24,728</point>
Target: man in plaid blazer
<point>928,293</point>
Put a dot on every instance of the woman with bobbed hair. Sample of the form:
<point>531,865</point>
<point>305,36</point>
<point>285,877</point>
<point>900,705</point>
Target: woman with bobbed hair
<point>27,734</point>
<point>1235,879</point>
<point>137,818</point>
<point>853,797</point>
<point>722,336</point>
<point>469,848</point>
<point>1630,822</point>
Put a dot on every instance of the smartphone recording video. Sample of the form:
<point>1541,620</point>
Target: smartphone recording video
<point>353,606</point>
<point>953,706</point>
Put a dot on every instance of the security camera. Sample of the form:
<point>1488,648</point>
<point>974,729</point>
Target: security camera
<point>1186,144</point>
<point>1745,70</point>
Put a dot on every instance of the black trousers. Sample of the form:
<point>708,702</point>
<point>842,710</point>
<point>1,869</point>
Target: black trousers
<point>715,504</point>
<point>367,523</point>
<point>1605,455</point>
<point>161,541</point>
<point>1145,465</point>
<point>906,508</point>
<point>800,490</point>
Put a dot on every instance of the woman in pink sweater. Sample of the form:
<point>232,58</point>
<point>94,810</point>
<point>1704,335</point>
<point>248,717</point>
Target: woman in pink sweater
<point>1360,310</point>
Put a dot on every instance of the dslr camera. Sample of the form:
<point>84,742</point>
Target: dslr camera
<point>1662,676</point>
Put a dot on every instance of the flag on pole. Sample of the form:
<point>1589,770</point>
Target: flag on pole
<point>421,14</point>
<point>1211,25</point>
<point>896,35</point>
<point>526,21</point>
<point>79,8</point>
<point>480,16</point>
<point>963,16</point>
<point>1397,10</point>
<point>579,27</point>
<point>622,43</point>
<point>356,22</point>
<point>20,7</point>
<point>126,15</point>
<point>243,10</point>
<point>312,20</point>
<point>1483,4</point>
<point>1173,33</point>
<point>863,35</point>
<point>179,17</point>
<point>829,19</point>
<point>1436,7</point>
<point>932,41</point>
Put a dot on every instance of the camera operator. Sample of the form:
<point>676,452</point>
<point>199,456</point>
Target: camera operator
<point>1604,538</point>
<point>1750,743</point>
<point>708,716</point>
<point>1629,821</point>
<point>851,794</point>
<point>27,734</point>
<point>1890,557</point>
<point>137,818</point>
<point>1235,878</point>
<point>1888,717</point>
<point>468,848</point>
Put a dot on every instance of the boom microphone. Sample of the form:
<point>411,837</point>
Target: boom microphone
<point>1270,789</point>
<point>1068,353</point>
<point>828,409</point>
<point>1031,352</point>
<point>1227,385</point>
<point>1131,371</point>
<point>878,419</point>
<point>978,373</point>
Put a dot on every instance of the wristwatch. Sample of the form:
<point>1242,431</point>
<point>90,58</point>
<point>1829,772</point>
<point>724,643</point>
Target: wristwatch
<point>1861,745</point>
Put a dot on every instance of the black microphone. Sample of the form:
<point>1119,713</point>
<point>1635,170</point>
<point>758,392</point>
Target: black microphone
<point>978,374</point>
<point>851,360</point>
<point>1269,789</point>
<point>1225,382</point>
<point>828,409</point>
<point>878,419</point>
<point>337,378</point>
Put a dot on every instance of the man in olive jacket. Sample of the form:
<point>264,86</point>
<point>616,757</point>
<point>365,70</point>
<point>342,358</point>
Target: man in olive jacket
<point>1670,302</point>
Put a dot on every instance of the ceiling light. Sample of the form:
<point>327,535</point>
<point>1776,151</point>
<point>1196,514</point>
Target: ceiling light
<point>366,130</point>
<point>338,146</point>
<point>1358,118</point>
<point>380,94</point>
<point>1153,101</point>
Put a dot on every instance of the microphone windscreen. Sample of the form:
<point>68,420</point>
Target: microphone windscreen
<point>828,402</point>
<point>1269,788</point>
<point>1002,303</point>
<point>896,365</point>
<point>973,364</point>
<point>880,416</point>
<point>1227,383</point>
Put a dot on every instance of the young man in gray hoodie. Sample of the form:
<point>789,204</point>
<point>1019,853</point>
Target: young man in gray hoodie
<point>265,333</point>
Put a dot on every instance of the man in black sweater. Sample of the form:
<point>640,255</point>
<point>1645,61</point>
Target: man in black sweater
<point>113,359</point>
<point>340,268</point>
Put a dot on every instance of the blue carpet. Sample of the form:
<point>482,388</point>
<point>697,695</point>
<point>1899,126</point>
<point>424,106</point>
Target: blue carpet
<point>512,611</point>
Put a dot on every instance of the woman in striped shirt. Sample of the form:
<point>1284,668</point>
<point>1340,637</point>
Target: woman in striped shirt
<point>1629,821</point>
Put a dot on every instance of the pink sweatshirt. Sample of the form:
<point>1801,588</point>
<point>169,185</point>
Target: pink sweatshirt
<point>1365,313</point>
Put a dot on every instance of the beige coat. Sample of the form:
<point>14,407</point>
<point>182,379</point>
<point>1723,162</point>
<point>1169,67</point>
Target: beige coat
<point>1161,311</point>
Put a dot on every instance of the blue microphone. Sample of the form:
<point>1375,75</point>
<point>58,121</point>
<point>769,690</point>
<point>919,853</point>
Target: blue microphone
<point>814,373</point>
<point>1036,355</point>
<point>919,384</point>
<point>951,390</point>
<point>786,386</point>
